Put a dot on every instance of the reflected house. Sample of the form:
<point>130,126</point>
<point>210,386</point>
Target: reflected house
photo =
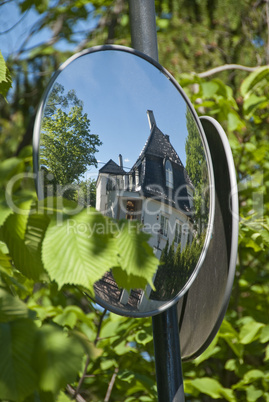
<point>156,191</point>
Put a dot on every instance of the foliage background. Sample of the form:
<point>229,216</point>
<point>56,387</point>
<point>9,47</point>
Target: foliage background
<point>55,344</point>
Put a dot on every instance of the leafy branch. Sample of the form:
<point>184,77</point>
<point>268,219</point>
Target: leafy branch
<point>37,247</point>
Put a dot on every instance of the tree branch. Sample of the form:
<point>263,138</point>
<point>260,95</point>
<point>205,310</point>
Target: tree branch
<point>16,23</point>
<point>75,393</point>
<point>72,392</point>
<point>227,67</point>
<point>111,384</point>
<point>82,377</point>
<point>99,327</point>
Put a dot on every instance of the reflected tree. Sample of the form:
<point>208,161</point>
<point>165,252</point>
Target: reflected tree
<point>87,193</point>
<point>58,99</point>
<point>176,268</point>
<point>196,167</point>
<point>67,147</point>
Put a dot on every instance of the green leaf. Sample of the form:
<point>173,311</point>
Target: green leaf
<point>5,261</point>
<point>253,102</point>
<point>9,168</point>
<point>250,243</point>
<point>63,398</point>
<point>210,351</point>
<point>234,121</point>
<point>250,332</point>
<point>266,353</point>
<point>41,396</point>
<point>253,394</point>
<point>253,79</point>
<point>252,376</point>
<point>208,386</point>
<point>80,250</point>
<point>17,377</point>
<point>162,23</point>
<point>264,337</point>
<point>58,358</point>
<point>135,257</point>
<point>11,308</point>
<point>126,375</point>
<point>40,5</point>
<point>68,317</point>
<point>143,337</point>
<point>128,281</point>
<point>209,88</point>
<point>23,233</point>
<point>5,77</point>
<point>5,211</point>
<point>230,335</point>
<point>231,365</point>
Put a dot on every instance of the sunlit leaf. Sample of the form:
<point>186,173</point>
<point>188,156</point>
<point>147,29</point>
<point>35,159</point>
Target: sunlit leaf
<point>135,255</point>
<point>264,337</point>
<point>5,77</point>
<point>250,331</point>
<point>253,375</point>
<point>80,250</point>
<point>253,394</point>
<point>23,233</point>
<point>253,79</point>
<point>253,102</point>
<point>210,351</point>
<point>63,397</point>
<point>9,168</point>
<point>209,88</point>
<point>210,387</point>
<point>143,337</point>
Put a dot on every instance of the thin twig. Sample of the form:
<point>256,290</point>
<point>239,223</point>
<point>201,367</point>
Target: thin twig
<point>99,327</point>
<point>111,384</point>
<point>84,374</point>
<point>82,377</point>
<point>72,392</point>
<point>227,67</point>
<point>16,23</point>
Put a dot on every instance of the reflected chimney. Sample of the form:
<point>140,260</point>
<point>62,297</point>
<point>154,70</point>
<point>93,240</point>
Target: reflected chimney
<point>120,160</point>
<point>151,119</point>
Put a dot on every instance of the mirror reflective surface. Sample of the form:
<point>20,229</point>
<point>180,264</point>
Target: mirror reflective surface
<point>116,132</point>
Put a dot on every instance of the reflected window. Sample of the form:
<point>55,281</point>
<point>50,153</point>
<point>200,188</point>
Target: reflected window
<point>136,178</point>
<point>130,210</point>
<point>110,185</point>
<point>164,225</point>
<point>185,231</point>
<point>178,233</point>
<point>190,195</point>
<point>130,182</point>
<point>169,174</point>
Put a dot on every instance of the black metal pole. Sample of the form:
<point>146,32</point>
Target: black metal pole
<point>143,27</point>
<point>165,325</point>
<point>167,356</point>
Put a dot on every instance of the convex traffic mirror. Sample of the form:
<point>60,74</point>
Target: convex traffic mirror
<point>116,132</point>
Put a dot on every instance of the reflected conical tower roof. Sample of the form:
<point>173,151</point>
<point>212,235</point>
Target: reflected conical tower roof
<point>158,144</point>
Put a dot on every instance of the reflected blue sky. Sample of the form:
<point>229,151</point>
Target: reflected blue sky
<point>117,88</point>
